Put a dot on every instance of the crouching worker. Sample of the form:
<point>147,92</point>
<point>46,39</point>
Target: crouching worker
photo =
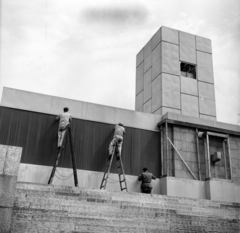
<point>117,139</point>
<point>146,178</point>
<point>64,120</point>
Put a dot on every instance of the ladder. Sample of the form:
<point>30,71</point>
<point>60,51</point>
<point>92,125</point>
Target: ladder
<point>68,132</point>
<point>121,174</point>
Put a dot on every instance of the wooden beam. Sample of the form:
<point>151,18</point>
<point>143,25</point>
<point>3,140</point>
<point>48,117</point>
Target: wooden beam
<point>198,158</point>
<point>182,159</point>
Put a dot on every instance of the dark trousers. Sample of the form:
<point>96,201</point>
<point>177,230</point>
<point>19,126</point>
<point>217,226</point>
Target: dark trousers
<point>147,190</point>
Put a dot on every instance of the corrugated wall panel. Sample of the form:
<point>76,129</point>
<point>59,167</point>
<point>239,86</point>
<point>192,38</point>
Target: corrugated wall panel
<point>36,133</point>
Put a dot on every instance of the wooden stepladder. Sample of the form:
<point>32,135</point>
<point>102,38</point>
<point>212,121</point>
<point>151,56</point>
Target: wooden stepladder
<point>121,174</point>
<point>69,134</point>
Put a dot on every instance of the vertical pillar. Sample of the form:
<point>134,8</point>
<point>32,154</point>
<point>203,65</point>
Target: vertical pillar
<point>167,162</point>
<point>161,135</point>
<point>225,161</point>
<point>173,154</point>
<point>208,157</point>
<point>9,164</point>
<point>198,157</point>
<point>229,157</point>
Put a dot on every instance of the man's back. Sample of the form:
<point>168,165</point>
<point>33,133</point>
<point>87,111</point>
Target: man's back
<point>147,177</point>
<point>64,118</point>
<point>119,130</point>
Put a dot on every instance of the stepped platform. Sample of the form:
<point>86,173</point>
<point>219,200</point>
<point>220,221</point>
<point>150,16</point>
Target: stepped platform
<point>49,208</point>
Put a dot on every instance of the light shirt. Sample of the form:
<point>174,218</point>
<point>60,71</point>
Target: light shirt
<point>119,130</point>
<point>64,119</point>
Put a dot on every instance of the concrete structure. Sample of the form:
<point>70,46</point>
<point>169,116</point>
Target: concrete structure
<point>193,156</point>
<point>187,169</point>
<point>174,73</point>
<point>9,164</point>
<point>48,208</point>
<point>144,145</point>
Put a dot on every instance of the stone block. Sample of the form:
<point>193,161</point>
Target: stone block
<point>195,189</point>
<point>156,69</point>
<point>139,58</point>
<point>147,63</point>
<point>169,35</point>
<point>164,110</point>
<point>170,51</point>
<point>204,59</point>
<point>171,99</point>
<point>203,44</point>
<point>147,49</point>
<point>3,154</point>
<point>147,78</point>
<point>139,100</point>
<point>187,47</point>
<point>156,39</point>
<point>157,112</point>
<point>139,72</point>
<point>189,86</point>
<point>147,107</point>
<point>12,161</point>
<point>237,193</point>
<point>211,118</point>
<point>156,101</point>
<point>188,55</point>
<point>22,171</point>
<point>76,107</point>
<point>156,85</point>
<point>156,53</point>
<point>139,86</point>
<point>207,106</point>
<point>5,219</point>
<point>170,66</point>
<point>205,74</point>
<point>206,90</point>
<point>178,164</point>
<point>147,93</point>
<point>189,105</point>
<point>220,190</point>
<point>140,109</point>
<point>26,100</point>
<point>170,82</point>
<point>7,190</point>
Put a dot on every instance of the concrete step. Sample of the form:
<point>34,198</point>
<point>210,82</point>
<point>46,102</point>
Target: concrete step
<point>49,208</point>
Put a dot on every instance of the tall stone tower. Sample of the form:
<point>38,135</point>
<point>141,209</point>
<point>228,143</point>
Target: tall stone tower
<point>174,73</point>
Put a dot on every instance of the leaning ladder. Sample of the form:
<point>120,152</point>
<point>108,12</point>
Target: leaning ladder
<point>121,174</point>
<point>68,132</point>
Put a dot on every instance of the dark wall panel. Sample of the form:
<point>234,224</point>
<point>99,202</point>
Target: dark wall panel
<point>36,133</point>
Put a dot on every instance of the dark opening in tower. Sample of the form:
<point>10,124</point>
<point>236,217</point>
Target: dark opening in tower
<point>188,70</point>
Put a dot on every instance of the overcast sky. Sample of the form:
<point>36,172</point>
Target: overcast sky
<point>86,50</point>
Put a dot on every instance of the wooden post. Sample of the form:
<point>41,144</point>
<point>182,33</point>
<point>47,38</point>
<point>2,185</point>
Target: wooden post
<point>198,158</point>
<point>166,129</point>
<point>208,157</point>
<point>161,135</point>
<point>173,154</point>
<point>229,157</point>
<point>224,157</point>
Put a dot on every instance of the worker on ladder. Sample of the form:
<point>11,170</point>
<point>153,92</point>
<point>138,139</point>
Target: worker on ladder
<point>117,139</point>
<point>115,148</point>
<point>65,119</point>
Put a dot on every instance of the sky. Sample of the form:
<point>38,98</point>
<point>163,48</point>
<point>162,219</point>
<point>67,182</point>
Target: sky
<point>86,49</point>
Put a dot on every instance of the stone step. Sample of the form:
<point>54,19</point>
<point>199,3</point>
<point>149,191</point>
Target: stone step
<point>48,208</point>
